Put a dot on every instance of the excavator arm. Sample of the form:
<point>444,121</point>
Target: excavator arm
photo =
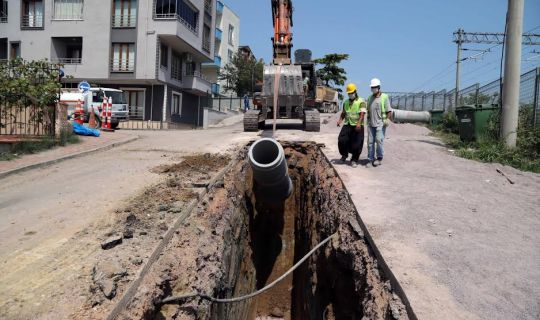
<point>282,13</point>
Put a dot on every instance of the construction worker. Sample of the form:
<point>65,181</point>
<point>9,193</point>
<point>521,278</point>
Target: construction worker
<point>351,137</point>
<point>379,114</point>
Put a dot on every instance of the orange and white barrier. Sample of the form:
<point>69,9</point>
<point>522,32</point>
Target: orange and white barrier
<point>79,112</point>
<point>106,114</point>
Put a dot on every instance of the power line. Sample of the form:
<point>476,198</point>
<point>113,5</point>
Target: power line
<point>434,77</point>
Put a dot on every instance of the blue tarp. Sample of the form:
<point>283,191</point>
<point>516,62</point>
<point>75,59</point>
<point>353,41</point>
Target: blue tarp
<point>84,131</point>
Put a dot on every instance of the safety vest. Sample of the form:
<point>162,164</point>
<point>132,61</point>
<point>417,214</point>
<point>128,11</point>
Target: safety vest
<point>384,98</point>
<point>352,112</point>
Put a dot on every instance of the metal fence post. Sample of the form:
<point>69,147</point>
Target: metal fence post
<point>230,103</point>
<point>536,98</point>
<point>219,103</point>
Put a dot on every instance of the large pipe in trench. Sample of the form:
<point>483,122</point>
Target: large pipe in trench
<point>270,172</point>
<point>411,116</point>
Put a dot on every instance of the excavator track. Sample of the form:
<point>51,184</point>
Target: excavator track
<point>312,121</point>
<point>251,121</point>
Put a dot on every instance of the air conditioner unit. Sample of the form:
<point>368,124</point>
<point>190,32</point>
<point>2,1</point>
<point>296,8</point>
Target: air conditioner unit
<point>188,57</point>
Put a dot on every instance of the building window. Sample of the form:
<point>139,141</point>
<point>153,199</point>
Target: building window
<point>164,50</point>
<point>230,56</point>
<point>66,50</point>
<point>176,66</point>
<point>32,14</point>
<point>3,11</point>
<point>124,13</point>
<point>231,34</point>
<point>178,9</point>
<point>3,49</point>
<point>68,9</point>
<point>15,50</point>
<point>123,57</point>
<point>176,103</point>
<point>206,38</point>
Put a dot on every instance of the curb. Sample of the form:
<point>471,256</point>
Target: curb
<point>47,163</point>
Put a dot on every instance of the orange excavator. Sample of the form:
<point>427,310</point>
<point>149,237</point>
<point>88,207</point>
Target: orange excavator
<point>288,89</point>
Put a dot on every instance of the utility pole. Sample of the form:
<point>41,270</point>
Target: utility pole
<point>459,40</point>
<point>512,66</point>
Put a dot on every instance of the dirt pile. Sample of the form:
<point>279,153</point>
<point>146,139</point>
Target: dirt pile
<point>139,227</point>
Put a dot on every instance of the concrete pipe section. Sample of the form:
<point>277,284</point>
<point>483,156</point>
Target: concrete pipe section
<point>411,116</point>
<point>270,173</point>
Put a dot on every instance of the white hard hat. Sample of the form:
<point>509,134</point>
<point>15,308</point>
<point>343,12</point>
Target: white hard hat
<point>375,82</point>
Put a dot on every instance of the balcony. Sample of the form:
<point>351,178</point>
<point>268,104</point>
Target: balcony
<point>208,6</point>
<point>122,65</point>
<point>66,50</point>
<point>206,46</point>
<point>219,34</point>
<point>67,60</point>
<point>216,88</point>
<point>215,64</point>
<point>32,21</point>
<point>217,61</point>
<point>219,7</point>
<point>196,83</point>
<point>124,21</point>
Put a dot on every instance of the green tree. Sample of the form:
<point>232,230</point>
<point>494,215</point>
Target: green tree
<point>331,73</point>
<point>24,84</point>
<point>241,74</point>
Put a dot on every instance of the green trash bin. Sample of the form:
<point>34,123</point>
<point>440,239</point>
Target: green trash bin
<point>465,116</point>
<point>436,117</point>
<point>482,115</point>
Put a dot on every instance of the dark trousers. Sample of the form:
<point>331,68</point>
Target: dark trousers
<point>351,141</point>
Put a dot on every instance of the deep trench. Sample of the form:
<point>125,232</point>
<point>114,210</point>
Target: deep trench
<point>335,282</point>
<point>261,241</point>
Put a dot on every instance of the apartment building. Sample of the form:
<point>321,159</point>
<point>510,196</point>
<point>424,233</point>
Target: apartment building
<point>151,49</point>
<point>226,41</point>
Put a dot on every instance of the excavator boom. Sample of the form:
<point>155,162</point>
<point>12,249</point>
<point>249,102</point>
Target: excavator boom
<point>282,12</point>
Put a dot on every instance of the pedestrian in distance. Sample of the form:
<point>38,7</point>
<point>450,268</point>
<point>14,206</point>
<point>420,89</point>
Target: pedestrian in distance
<point>246,102</point>
<point>379,116</point>
<point>351,136</point>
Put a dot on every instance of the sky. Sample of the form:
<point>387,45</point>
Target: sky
<point>406,43</point>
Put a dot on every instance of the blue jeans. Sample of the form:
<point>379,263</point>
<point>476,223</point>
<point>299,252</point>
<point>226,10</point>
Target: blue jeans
<point>376,135</point>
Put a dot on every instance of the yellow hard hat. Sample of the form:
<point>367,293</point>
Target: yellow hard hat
<point>351,87</point>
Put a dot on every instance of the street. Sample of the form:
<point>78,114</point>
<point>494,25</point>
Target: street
<point>460,239</point>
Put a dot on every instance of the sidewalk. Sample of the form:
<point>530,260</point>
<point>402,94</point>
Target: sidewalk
<point>87,145</point>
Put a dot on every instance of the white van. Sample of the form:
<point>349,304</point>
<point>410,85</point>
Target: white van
<point>94,99</point>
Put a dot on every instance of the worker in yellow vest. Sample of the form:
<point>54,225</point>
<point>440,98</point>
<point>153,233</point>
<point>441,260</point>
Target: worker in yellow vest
<point>379,114</point>
<point>351,137</point>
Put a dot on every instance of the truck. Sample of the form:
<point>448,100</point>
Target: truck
<point>326,99</point>
<point>93,99</point>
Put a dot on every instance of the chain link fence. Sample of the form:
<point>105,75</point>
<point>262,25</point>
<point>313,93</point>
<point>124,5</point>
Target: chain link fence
<point>529,96</point>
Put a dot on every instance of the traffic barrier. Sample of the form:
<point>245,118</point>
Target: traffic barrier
<point>79,112</point>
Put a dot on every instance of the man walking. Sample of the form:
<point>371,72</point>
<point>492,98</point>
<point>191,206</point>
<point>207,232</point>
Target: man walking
<point>351,137</point>
<point>246,102</point>
<point>379,114</point>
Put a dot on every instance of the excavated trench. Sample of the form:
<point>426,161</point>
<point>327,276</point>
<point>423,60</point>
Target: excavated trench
<point>253,243</point>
